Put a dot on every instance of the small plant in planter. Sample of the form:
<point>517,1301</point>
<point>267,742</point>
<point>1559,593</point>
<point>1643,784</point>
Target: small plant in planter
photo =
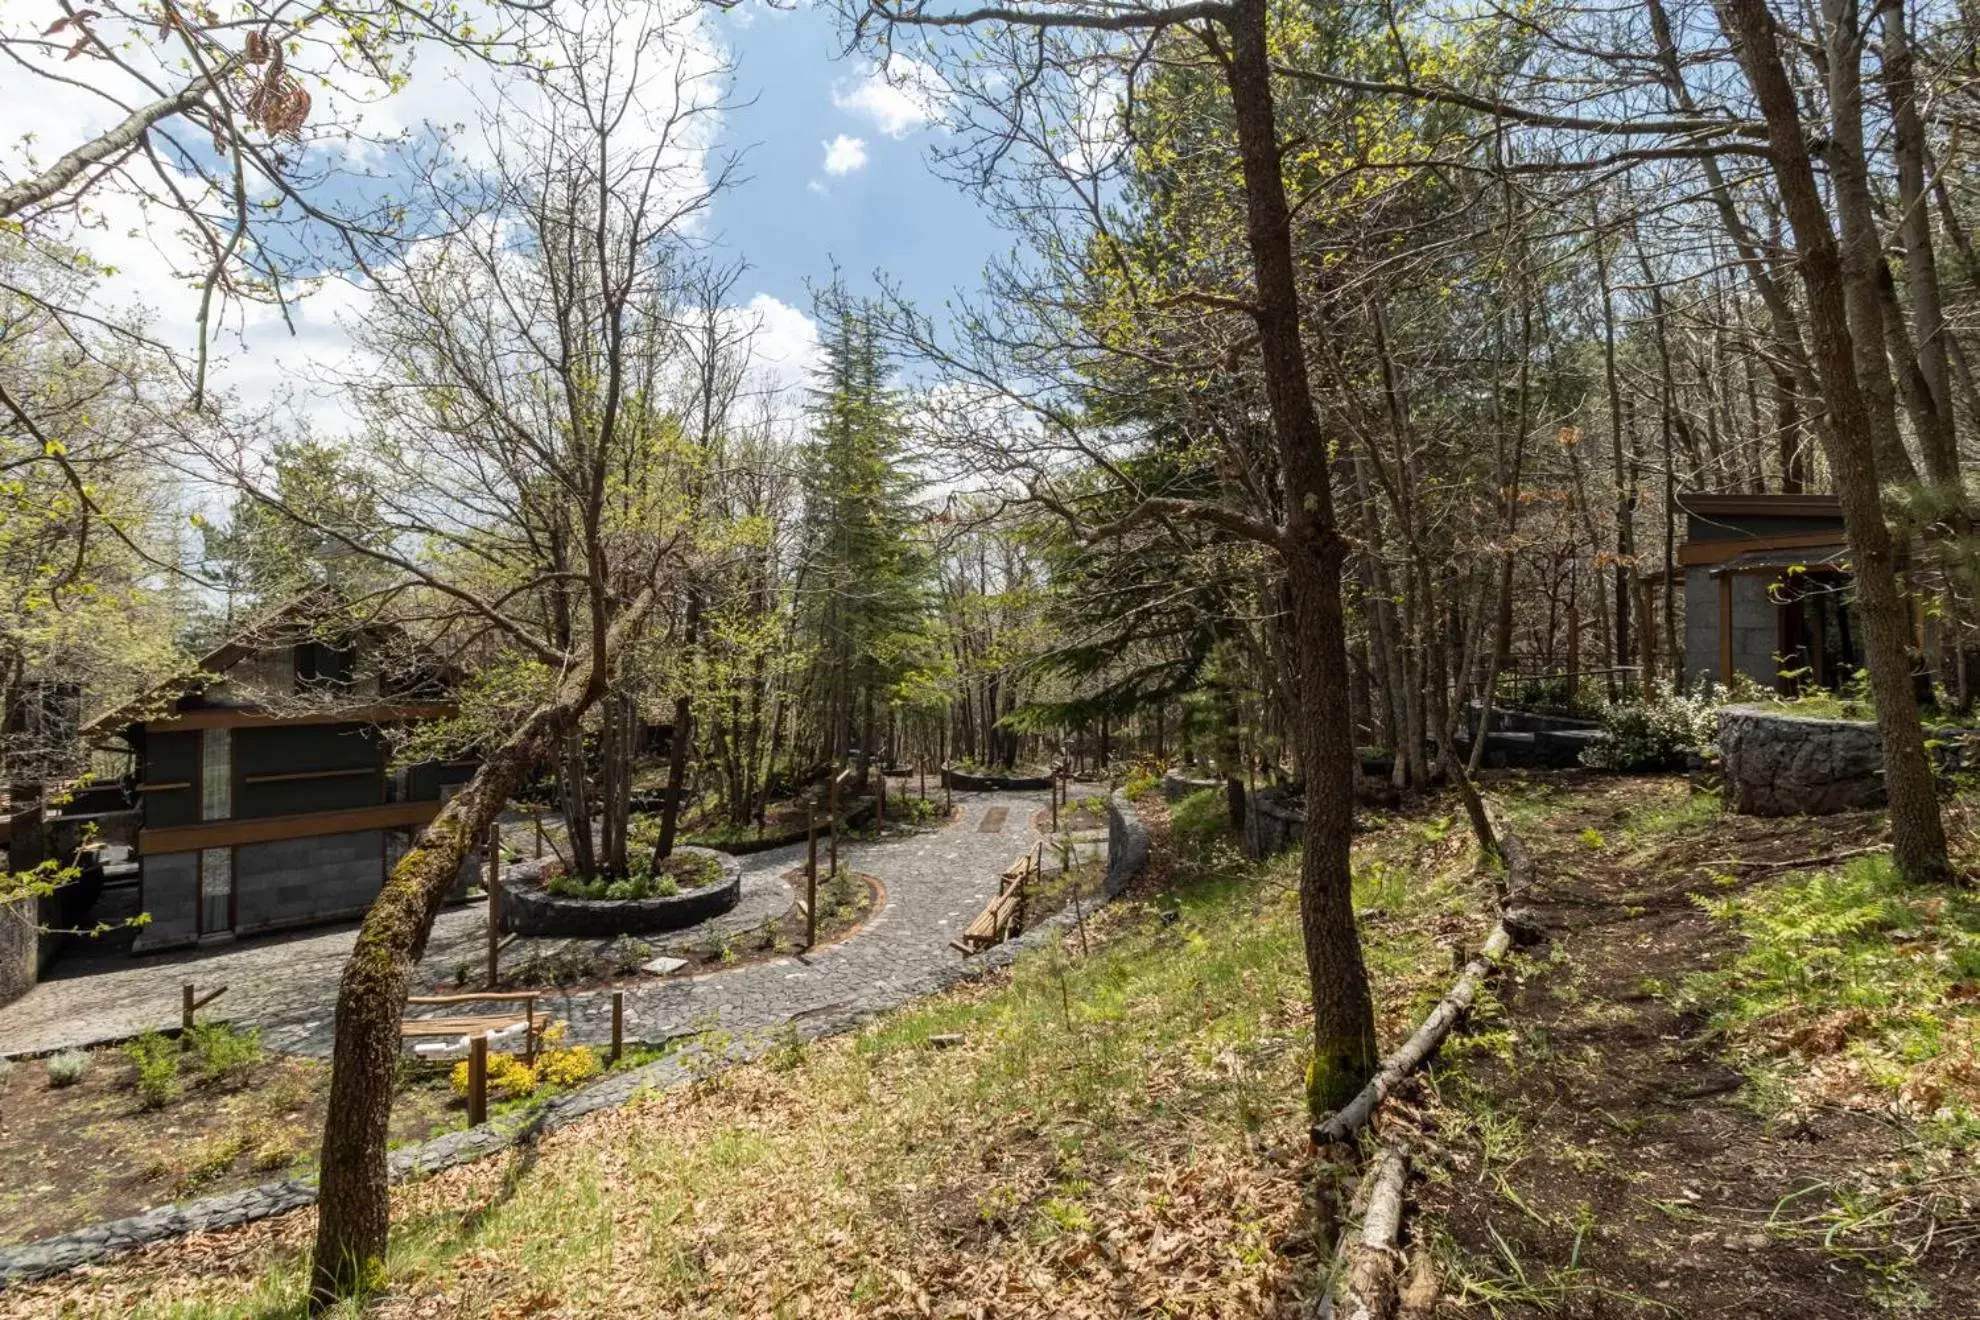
<point>679,872</point>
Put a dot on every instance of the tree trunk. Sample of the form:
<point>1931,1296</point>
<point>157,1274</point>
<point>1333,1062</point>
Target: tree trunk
<point>1917,833</point>
<point>1344,1047</point>
<point>354,1194</point>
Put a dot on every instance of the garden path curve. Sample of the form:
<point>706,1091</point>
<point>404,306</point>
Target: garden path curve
<point>935,882</point>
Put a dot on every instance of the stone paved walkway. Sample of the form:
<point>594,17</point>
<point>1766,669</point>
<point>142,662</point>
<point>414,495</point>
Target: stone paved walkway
<point>936,882</point>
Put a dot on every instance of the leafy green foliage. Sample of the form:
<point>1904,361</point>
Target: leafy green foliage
<point>67,1068</point>
<point>156,1061</point>
<point>1659,732</point>
<point>223,1054</point>
<point>1855,964</point>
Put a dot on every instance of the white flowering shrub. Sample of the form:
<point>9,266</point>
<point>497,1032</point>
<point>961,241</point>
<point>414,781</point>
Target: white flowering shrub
<point>1660,732</point>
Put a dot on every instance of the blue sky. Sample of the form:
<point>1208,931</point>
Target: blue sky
<point>792,218</point>
<point>835,169</point>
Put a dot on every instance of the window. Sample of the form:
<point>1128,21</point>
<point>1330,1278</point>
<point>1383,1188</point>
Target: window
<point>216,774</point>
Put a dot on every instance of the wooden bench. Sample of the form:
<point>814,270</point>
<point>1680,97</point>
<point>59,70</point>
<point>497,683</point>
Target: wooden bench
<point>1005,912</point>
<point>533,1023</point>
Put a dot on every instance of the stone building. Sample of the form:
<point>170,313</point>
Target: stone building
<point>1765,582</point>
<point>264,781</point>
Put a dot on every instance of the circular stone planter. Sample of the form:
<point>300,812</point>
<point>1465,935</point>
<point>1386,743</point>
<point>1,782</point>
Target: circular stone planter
<point>528,909</point>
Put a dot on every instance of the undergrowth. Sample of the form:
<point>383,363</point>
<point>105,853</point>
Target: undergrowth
<point>1119,1133</point>
<point>1855,988</point>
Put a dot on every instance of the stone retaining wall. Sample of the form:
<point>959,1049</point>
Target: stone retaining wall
<point>20,940</point>
<point>1127,843</point>
<point>969,783</point>
<point>1274,820</point>
<point>1777,764</point>
<point>530,910</point>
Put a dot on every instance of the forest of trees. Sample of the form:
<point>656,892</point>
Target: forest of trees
<point>1345,374</point>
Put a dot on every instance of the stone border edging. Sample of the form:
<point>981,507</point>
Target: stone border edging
<point>968,783</point>
<point>48,1257</point>
<point>1127,842</point>
<point>528,909</point>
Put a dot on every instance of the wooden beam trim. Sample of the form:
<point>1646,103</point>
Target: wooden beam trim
<point>1693,553</point>
<point>172,787</point>
<point>270,829</point>
<point>224,718</point>
<point>1725,631</point>
<point>348,772</point>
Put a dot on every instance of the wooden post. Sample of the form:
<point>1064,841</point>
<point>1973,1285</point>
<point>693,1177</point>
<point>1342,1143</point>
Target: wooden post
<point>880,805</point>
<point>811,888</point>
<point>618,1023</point>
<point>922,767</point>
<point>832,821</point>
<point>1725,629</point>
<point>478,1081</point>
<point>494,906</point>
<point>1055,799</point>
<point>539,837</point>
<point>186,1013</point>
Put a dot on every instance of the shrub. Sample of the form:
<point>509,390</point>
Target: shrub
<point>224,1054</point>
<point>629,954</point>
<point>1660,732</point>
<point>509,1078</point>
<point>157,1062</point>
<point>67,1068</point>
<point>567,1067</point>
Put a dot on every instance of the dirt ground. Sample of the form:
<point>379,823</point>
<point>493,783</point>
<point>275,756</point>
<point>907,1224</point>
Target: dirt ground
<point>85,1153</point>
<point>1594,1153</point>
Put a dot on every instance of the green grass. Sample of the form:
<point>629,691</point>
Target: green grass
<point>1857,965</point>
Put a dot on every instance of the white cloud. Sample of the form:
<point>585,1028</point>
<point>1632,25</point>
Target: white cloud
<point>784,350</point>
<point>845,154</point>
<point>670,51</point>
<point>898,98</point>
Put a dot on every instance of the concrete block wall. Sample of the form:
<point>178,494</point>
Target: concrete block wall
<point>170,887</point>
<point>292,881</point>
<point>1756,627</point>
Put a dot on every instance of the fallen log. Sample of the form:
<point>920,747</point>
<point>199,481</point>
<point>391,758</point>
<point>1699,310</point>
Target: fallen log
<point>1350,1118</point>
<point>1365,1278</point>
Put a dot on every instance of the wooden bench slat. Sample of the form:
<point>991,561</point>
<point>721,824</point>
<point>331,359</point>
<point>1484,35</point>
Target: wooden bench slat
<point>470,1026</point>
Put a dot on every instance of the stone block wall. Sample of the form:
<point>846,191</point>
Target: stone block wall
<point>20,939</point>
<point>1788,765</point>
<point>1756,627</point>
<point>292,881</point>
<point>170,887</point>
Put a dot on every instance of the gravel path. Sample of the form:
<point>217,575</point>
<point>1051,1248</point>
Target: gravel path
<point>936,882</point>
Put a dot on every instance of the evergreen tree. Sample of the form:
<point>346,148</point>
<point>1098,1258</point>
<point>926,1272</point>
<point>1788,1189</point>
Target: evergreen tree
<point>863,589</point>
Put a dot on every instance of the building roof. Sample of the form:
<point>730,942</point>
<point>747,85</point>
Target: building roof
<point>287,624</point>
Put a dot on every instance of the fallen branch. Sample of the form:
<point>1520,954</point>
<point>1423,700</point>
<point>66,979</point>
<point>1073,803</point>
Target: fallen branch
<point>1793,863</point>
<point>1350,1118</point>
<point>1365,1262</point>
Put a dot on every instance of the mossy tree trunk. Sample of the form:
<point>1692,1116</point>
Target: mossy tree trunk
<point>354,1197</point>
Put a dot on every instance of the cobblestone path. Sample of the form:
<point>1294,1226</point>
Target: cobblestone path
<point>936,882</point>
